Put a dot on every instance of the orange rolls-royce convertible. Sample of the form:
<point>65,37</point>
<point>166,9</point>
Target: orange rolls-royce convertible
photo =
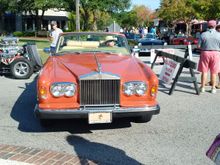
<point>94,75</point>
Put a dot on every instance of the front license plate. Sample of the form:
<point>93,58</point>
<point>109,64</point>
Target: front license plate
<point>100,117</point>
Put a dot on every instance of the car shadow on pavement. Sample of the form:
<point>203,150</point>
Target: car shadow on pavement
<point>23,112</point>
<point>102,153</point>
<point>6,75</point>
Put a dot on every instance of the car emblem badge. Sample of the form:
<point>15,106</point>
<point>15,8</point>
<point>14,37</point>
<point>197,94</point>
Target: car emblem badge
<point>100,116</point>
<point>99,69</point>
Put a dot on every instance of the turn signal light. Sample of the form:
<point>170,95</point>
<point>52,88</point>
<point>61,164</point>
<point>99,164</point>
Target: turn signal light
<point>153,91</point>
<point>43,92</point>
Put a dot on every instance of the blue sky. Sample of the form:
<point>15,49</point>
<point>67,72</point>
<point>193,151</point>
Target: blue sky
<point>152,4</point>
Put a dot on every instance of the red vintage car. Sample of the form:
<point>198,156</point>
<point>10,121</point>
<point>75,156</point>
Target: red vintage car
<point>184,40</point>
<point>95,76</point>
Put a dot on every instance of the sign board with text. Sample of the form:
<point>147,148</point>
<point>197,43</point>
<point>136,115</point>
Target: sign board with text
<point>168,70</point>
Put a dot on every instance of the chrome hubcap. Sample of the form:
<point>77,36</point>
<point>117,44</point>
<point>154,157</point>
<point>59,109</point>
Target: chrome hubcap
<point>21,69</point>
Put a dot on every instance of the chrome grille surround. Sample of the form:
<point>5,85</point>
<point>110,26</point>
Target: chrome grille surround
<point>99,89</point>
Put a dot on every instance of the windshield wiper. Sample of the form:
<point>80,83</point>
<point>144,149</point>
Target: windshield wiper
<point>99,51</point>
<point>68,52</point>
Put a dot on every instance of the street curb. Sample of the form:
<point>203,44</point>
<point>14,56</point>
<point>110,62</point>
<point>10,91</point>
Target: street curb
<point>40,157</point>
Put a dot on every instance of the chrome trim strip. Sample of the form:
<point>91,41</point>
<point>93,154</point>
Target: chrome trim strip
<point>98,109</point>
<point>99,76</point>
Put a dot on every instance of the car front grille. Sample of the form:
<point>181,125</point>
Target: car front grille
<point>99,92</point>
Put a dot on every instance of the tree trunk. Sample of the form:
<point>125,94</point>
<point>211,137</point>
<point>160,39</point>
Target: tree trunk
<point>41,18</point>
<point>85,17</point>
<point>190,29</point>
<point>2,18</point>
<point>94,21</point>
<point>37,20</point>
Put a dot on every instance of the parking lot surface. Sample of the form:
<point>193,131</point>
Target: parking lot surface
<point>181,134</point>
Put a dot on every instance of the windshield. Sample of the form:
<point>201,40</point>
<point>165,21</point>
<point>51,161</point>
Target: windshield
<point>92,42</point>
<point>150,35</point>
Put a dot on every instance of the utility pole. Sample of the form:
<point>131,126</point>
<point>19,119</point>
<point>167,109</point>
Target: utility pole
<point>77,16</point>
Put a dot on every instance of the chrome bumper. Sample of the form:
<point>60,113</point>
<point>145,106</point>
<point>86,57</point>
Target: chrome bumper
<point>83,112</point>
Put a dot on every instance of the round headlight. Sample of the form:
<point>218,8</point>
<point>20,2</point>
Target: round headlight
<point>57,90</point>
<point>129,89</point>
<point>63,88</point>
<point>140,89</point>
<point>135,87</point>
<point>70,90</point>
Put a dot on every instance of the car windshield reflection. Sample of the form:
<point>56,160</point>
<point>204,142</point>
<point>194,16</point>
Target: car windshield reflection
<point>92,43</point>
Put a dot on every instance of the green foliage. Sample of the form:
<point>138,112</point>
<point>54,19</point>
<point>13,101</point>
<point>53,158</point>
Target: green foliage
<point>18,34</point>
<point>6,5</point>
<point>207,9</point>
<point>176,10</point>
<point>127,19</point>
<point>94,11</point>
<point>143,15</point>
<point>71,22</point>
<point>33,5</point>
<point>185,10</point>
<point>132,43</point>
<point>28,34</point>
<point>23,34</point>
<point>104,19</point>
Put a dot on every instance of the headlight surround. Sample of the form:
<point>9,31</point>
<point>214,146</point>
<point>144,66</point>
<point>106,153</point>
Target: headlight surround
<point>59,89</point>
<point>135,88</point>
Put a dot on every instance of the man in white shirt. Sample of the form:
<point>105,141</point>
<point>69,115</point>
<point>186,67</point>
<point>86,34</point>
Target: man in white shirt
<point>54,36</point>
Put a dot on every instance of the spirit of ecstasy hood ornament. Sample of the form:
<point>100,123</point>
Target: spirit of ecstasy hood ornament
<point>99,66</point>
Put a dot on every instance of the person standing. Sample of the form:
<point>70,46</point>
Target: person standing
<point>54,36</point>
<point>210,55</point>
<point>217,28</point>
<point>153,30</point>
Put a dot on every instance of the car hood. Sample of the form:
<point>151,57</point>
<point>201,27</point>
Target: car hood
<point>127,67</point>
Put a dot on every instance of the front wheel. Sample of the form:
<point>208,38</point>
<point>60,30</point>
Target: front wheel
<point>21,68</point>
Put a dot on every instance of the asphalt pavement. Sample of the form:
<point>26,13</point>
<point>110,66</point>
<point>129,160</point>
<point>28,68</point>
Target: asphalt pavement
<point>181,134</point>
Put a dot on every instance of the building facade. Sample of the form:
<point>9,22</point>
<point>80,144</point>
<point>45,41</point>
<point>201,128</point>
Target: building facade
<point>26,22</point>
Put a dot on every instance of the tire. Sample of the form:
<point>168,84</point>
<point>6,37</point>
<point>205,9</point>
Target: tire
<point>143,119</point>
<point>21,68</point>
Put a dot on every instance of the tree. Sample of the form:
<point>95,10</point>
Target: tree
<point>94,8</point>
<point>127,19</point>
<point>33,6</point>
<point>207,9</point>
<point>173,11</point>
<point>143,14</point>
<point>6,6</point>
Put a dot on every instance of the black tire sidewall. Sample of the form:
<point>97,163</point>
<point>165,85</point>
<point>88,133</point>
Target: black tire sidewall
<point>13,70</point>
